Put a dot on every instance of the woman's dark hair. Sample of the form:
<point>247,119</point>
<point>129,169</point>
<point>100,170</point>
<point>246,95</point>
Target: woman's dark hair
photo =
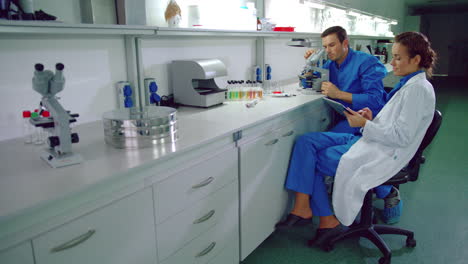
<point>418,44</point>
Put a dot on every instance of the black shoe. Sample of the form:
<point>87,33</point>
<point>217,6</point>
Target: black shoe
<point>293,220</point>
<point>41,15</point>
<point>324,234</point>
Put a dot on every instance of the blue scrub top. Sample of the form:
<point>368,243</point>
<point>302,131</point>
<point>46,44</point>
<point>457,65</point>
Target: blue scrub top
<point>360,74</point>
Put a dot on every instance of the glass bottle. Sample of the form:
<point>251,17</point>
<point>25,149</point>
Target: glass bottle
<point>27,128</point>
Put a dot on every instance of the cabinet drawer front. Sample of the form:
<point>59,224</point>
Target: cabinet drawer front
<point>180,228</point>
<point>21,254</point>
<point>229,255</point>
<point>122,232</point>
<point>187,187</point>
<point>207,246</point>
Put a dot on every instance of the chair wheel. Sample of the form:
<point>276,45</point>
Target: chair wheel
<point>384,260</point>
<point>411,242</point>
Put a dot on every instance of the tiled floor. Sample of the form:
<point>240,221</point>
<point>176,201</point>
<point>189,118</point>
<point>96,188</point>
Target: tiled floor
<point>435,208</point>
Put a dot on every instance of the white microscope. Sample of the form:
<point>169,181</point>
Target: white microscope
<point>48,84</point>
<point>312,76</point>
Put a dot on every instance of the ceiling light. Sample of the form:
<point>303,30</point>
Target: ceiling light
<point>312,4</point>
<point>379,20</point>
<point>353,13</point>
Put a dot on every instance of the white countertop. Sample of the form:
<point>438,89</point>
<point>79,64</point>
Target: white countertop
<point>28,182</point>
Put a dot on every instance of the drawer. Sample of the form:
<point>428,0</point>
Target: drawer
<point>21,254</point>
<point>229,255</point>
<point>207,246</point>
<point>181,228</point>
<point>122,232</point>
<point>190,185</point>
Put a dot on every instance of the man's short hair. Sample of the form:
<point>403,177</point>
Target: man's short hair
<point>339,31</point>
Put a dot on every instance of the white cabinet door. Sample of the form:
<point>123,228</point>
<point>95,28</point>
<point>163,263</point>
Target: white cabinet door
<point>120,233</point>
<point>21,254</point>
<point>318,121</point>
<point>263,199</point>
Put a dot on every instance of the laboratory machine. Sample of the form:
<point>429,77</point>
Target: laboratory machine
<point>59,152</point>
<point>194,84</point>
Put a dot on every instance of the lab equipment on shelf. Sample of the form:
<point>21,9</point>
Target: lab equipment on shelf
<point>257,73</point>
<point>151,87</point>
<point>27,128</point>
<point>59,152</point>
<point>194,83</point>
<point>124,95</point>
<point>139,128</point>
<point>243,90</point>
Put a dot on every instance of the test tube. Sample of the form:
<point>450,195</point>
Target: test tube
<point>37,137</point>
<point>27,128</point>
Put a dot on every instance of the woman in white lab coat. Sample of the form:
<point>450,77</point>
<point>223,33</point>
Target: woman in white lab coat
<point>361,163</point>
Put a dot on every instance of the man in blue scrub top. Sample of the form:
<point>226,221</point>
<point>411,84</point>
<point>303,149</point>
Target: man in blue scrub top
<point>355,81</point>
<point>355,77</point>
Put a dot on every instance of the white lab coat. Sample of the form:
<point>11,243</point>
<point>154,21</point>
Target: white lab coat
<point>388,143</point>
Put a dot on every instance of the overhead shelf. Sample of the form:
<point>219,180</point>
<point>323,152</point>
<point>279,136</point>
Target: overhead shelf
<point>197,32</point>
<point>40,27</point>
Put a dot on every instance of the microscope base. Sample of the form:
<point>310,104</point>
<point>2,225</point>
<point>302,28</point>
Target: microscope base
<point>57,161</point>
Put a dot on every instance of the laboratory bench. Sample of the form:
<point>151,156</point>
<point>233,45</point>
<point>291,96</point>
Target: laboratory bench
<point>210,197</point>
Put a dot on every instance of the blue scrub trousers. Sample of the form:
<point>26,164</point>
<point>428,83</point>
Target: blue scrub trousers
<point>314,156</point>
<point>343,127</point>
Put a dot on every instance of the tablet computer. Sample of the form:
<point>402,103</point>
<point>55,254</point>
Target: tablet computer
<point>337,106</point>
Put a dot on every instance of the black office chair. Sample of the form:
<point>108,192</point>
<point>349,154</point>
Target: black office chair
<point>366,228</point>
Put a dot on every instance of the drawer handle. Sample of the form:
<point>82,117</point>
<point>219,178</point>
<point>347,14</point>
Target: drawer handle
<point>274,141</point>
<point>74,242</point>
<point>206,250</point>
<point>205,217</point>
<point>290,133</point>
<point>203,183</point>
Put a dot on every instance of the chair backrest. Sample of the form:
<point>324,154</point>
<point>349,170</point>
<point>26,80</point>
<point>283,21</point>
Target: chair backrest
<point>431,130</point>
<point>428,137</point>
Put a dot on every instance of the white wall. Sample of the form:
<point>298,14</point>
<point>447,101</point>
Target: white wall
<point>412,23</point>
<point>395,9</point>
<point>286,62</point>
<point>92,67</point>
<point>238,54</point>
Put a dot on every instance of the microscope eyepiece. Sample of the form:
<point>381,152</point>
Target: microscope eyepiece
<point>39,67</point>
<point>59,66</point>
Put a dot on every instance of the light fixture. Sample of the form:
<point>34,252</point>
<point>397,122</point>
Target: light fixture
<point>299,42</point>
<point>353,13</point>
<point>379,20</point>
<point>313,4</point>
